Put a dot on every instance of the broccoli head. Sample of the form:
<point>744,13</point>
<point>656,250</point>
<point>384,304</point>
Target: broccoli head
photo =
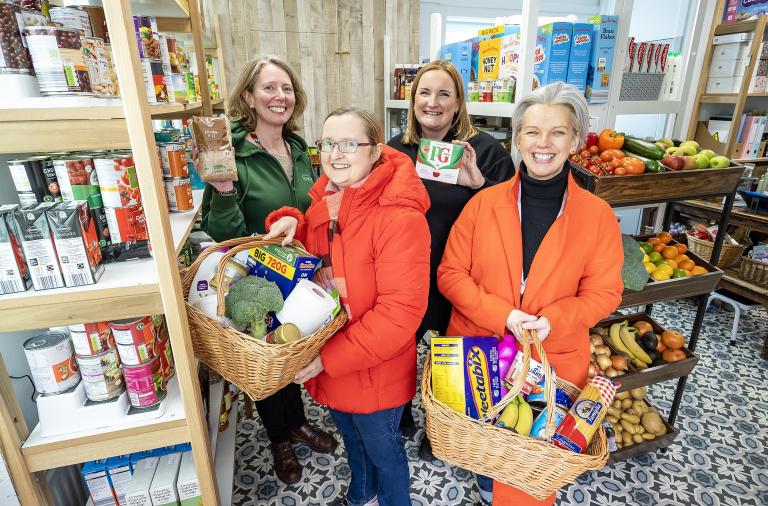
<point>249,300</point>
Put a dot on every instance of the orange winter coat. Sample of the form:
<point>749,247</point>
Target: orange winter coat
<point>370,364</point>
<point>574,280</point>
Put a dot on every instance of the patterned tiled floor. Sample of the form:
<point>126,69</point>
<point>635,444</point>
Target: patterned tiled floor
<point>720,457</point>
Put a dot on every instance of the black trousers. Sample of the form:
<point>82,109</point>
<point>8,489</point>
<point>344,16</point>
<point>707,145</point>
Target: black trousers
<point>281,412</point>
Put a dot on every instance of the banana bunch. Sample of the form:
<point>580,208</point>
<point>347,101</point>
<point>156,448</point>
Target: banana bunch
<point>517,416</point>
<point>622,338</point>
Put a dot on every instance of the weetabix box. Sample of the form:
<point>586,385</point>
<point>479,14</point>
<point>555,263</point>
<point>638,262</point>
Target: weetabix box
<point>553,49</point>
<point>460,54</point>
<point>439,161</point>
<point>581,49</point>
<point>601,57</point>
<point>97,482</point>
<point>283,265</point>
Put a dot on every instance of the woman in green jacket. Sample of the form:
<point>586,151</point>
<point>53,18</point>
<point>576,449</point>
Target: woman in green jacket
<point>273,171</point>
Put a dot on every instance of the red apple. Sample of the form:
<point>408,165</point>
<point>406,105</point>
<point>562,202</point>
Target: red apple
<point>673,162</point>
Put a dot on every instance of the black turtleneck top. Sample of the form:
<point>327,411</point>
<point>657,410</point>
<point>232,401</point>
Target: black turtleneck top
<point>540,202</point>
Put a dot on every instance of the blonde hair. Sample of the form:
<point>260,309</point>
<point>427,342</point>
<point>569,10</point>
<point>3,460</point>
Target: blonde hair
<point>240,111</point>
<point>461,127</point>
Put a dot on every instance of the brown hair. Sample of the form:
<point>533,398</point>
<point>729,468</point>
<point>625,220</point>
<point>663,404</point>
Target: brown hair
<point>373,129</point>
<point>238,108</point>
<point>461,126</point>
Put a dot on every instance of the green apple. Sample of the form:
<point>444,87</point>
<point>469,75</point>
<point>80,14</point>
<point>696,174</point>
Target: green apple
<point>661,145</point>
<point>666,141</point>
<point>719,162</point>
<point>708,153</point>
<point>691,143</point>
<point>671,151</point>
<point>686,149</point>
<point>702,162</point>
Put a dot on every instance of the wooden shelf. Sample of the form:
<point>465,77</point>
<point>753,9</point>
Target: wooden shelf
<point>757,94</point>
<point>752,160</point>
<point>225,456</point>
<point>732,281</point>
<point>719,98</point>
<point>740,216</point>
<point>41,453</point>
<point>166,8</point>
<point>740,27</point>
<point>182,223</point>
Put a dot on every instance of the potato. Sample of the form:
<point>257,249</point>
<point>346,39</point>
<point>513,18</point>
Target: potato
<point>616,404</point>
<point>618,438</point>
<point>637,438</point>
<point>649,436</point>
<point>628,427</point>
<point>630,418</point>
<point>622,395</point>
<point>614,412</point>
<point>639,407</point>
<point>638,393</point>
<point>630,411</point>
<point>652,423</point>
<point>626,403</point>
<point>612,419</point>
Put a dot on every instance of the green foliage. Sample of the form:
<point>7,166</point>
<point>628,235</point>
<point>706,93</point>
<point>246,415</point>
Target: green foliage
<point>633,271</point>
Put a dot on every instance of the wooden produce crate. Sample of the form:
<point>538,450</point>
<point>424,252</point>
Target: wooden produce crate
<point>671,289</point>
<point>640,377</point>
<point>660,187</point>
<point>646,446</point>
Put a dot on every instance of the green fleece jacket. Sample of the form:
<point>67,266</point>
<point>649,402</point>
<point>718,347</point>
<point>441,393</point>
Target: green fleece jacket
<point>262,187</point>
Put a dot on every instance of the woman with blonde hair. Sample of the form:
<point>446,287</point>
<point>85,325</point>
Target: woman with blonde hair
<point>273,171</point>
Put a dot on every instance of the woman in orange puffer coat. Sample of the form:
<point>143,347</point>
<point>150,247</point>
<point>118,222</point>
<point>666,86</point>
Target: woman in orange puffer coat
<point>367,224</point>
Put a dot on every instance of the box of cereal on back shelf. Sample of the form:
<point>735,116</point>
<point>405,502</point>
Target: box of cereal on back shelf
<point>581,49</point>
<point>601,57</point>
<point>553,48</point>
<point>510,56</point>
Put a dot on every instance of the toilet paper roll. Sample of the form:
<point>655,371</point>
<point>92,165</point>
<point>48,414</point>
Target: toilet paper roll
<point>308,306</point>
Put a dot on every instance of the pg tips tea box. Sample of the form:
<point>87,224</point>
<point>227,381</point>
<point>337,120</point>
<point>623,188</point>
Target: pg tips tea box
<point>553,49</point>
<point>439,161</point>
<point>581,48</point>
<point>600,67</point>
<point>465,373</point>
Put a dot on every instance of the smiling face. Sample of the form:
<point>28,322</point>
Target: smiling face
<point>546,139</point>
<point>272,97</point>
<point>346,169</point>
<point>435,104</point>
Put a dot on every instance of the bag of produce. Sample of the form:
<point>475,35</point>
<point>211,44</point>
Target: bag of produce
<point>216,153</point>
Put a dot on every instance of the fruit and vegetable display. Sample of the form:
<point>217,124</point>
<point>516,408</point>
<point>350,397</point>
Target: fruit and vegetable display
<point>613,153</point>
<point>633,420</point>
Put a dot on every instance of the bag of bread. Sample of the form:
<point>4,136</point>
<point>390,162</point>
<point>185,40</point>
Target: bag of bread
<point>216,155</point>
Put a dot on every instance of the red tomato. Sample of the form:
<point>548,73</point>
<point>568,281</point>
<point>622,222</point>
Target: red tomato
<point>620,171</point>
<point>575,158</point>
<point>585,154</point>
<point>594,150</point>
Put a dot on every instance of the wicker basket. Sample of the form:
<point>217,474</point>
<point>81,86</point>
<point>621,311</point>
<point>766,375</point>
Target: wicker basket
<point>534,466</point>
<point>729,254</point>
<point>256,367</point>
<point>754,271</point>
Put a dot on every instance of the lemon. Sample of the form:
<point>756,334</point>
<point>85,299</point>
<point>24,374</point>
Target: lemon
<point>649,267</point>
<point>666,267</point>
<point>661,274</point>
<point>646,258</point>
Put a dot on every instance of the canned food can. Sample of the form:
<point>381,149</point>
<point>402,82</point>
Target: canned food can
<point>159,86</point>
<point>173,54</point>
<point>95,57</point>
<point>98,22</point>
<point>146,70</point>
<point>179,192</point>
<point>14,55</point>
<point>91,338</point>
<point>165,57</point>
<point>285,333</point>
<point>72,17</point>
<point>145,383</point>
<point>173,158</point>
<point>78,180</point>
<point>166,358</point>
<point>117,180</point>
<point>101,374</point>
<point>52,362</point>
<point>126,224</point>
<point>112,71</point>
<point>233,271</point>
<point>57,58</point>
<point>35,180</point>
<point>135,339</point>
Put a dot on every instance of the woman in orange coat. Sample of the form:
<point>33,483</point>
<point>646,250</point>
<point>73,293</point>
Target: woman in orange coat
<point>367,223</point>
<point>537,252</point>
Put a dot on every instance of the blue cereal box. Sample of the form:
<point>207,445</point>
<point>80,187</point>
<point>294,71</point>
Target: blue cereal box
<point>605,29</point>
<point>581,49</point>
<point>553,49</point>
<point>460,54</point>
<point>465,373</point>
<point>283,265</point>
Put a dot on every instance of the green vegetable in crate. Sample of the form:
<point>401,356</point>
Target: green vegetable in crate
<point>633,271</point>
<point>643,148</point>
<point>249,300</point>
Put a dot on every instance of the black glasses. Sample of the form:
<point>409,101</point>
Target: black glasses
<point>347,146</point>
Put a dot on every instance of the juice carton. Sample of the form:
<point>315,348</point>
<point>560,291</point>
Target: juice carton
<point>77,245</point>
<point>509,56</point>
<point>553,48</point>
<point>283,265</point>
<point>14,274</point>
<point>460,54</point>
<point>601,57</point>
<point>581,49</point>
<point>465,373</point>
<point>439,161</point>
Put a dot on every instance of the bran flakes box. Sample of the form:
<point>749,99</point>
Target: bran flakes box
<point>465,373</point>
<point>581,49</point>
<point>601,57</point>
<point>283,265</point>
<point>439,161</point>
<point>553,49</point>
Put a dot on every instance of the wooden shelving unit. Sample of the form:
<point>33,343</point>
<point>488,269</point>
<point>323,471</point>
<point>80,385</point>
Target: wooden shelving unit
<point>133,288</point>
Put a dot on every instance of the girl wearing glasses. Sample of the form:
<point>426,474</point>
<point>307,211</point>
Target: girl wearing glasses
<point>367,223</point>
<point>273,171</point>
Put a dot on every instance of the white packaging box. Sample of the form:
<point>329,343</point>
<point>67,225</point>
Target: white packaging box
<point>730,51</point>
<point>732,37</point>
<point>137,490</point>
<point>163,488</point>
<point>723,85</point>
<point>728,68</point>
<point>187,484</point>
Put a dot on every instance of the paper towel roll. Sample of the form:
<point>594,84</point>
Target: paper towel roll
<point>308,306</point>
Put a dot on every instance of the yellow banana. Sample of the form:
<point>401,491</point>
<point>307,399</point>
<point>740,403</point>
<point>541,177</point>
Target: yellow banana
<point>639,363</point>
<point>524,419</point>
<point>614,336</point>
<point>628,339</point>
<point>508,417</point>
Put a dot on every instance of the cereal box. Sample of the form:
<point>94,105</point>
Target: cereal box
<point>439,161</point>
<point>460,54</point>
<point>283,265</point>
<point>742,10</point>
<point>601,57</point>
<point>510,56</point>
<point>581,49</point>
<point>489,59</point>
<point>465,373</point>
<point>553,48</point>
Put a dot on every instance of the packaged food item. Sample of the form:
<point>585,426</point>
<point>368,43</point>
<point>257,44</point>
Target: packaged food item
<point>14,273</point>
<point>308,306</point>
<point>504,90</point>
<point>101,374</point>
<point>585,416</point>
<point>163,489</point>
<point>465,373</point>
<point>145,383</point>
<point>600,68</point>
<point>581,49</point>
<point>91,338</point>
<point>95,57</point>
<point>534,380</point>
<point>216,153</point>
<point>127,224</point>
<point>178,190</point>
<point>14,55</point>
<point>77,179</point>
<point>285,333</point>
<point>136,339</point>
<point>553,47</point>
<point>97,482</point>
<point>117,180</point>
<point>74,18</point>
<point>58,60</point>
<point>233,271</point>
<point>173,159</point>
<point>147,36</point>
<point>283,265</point>
<point>77,244</point>
<point>37,244</point>
<point>563,403</point>
<point>35,180</point>
<point>439,161</point>
<point>52,362</point>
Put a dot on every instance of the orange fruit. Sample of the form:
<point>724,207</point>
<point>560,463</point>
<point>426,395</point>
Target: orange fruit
<point>653,240</point>
<point>671,263</point>
<point>673,355</point>
<point>669,252</point>
<point>664,237</point>
<point>659,247</point>
<point>698,270</point>
<point>681,248</point>
<point>680,258</point>
<point>686,264</point>
<point>672,339</point>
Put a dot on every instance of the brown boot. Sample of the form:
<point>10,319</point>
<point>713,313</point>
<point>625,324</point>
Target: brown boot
<point>287,467</point>
<point>316,439</point>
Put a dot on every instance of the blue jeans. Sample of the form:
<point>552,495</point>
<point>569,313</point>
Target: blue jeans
<point>376,455</point>
<point>485,486</point>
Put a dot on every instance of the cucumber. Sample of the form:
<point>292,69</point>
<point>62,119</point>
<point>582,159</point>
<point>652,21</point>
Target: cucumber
<point>650,165</point>
<point>643,148</point>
